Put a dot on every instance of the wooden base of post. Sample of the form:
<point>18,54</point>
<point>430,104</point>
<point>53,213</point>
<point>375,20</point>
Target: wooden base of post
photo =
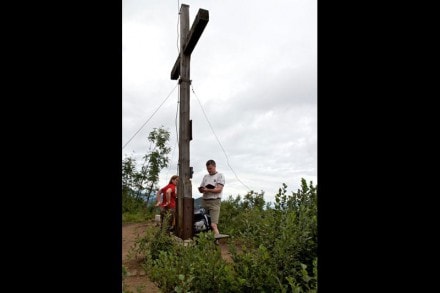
<point>185,230</point>
<point>188,218</point>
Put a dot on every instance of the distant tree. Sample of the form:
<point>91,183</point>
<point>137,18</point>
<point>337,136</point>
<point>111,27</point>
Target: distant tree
<point>254,200</point>
<point>128,172</point>
<point>129,201</point>
<point>156,159</point>
<point>134,181</point>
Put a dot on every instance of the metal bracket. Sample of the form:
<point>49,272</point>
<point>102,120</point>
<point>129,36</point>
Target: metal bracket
<point>184,80</point>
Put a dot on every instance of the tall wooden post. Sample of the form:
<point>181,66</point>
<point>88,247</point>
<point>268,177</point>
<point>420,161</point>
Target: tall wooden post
<point>188,40</point>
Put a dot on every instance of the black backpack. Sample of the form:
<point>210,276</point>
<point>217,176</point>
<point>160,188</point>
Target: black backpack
<point>202,221</point>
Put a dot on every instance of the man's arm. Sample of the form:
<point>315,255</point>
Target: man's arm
<point>202,185</point>
<point>218,188</point>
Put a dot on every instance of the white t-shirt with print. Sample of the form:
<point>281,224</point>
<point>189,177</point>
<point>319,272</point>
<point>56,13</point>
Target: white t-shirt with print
<point>215,179</point>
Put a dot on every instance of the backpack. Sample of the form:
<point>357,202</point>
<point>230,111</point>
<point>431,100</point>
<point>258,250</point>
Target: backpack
<point>202,221</point>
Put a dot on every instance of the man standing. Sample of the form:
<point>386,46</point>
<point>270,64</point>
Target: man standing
<point>212,187</point>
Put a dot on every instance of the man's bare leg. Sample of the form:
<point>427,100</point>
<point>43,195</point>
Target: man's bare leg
<point>215,229</point>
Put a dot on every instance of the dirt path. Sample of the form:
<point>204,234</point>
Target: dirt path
<point>136,280</point>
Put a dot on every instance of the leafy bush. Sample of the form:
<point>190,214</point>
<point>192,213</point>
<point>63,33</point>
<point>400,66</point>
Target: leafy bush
<point>141,181</point>
<point>288,231</point>
<point>273,249</point>
<point>135,209</point>
<point>197,267</point>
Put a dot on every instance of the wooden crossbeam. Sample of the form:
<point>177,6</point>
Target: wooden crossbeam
<point>175,72</point>
<point>194,34</point>
<point>196,31</point>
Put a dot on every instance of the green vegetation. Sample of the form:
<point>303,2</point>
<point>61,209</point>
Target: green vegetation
<point>274,249</point>
<point>138,183</point>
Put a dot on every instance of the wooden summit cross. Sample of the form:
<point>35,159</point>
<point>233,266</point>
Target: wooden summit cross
<point>188,40</point>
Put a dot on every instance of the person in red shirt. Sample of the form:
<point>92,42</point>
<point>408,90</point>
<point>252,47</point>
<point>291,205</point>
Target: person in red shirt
<point>166,200</point>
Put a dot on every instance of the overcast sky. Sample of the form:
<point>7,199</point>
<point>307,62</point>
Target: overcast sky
<point>254,71</point>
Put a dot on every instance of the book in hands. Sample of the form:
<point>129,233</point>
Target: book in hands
<point>209,186</point>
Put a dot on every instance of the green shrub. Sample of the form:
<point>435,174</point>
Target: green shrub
<point>274,249</point>
<point>194,268</point>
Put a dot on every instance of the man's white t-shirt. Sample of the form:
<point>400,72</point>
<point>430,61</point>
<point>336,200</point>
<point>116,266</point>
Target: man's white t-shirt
<point>215,179</point>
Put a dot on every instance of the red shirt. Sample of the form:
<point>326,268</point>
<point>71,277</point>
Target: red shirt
<point>163,191</point>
